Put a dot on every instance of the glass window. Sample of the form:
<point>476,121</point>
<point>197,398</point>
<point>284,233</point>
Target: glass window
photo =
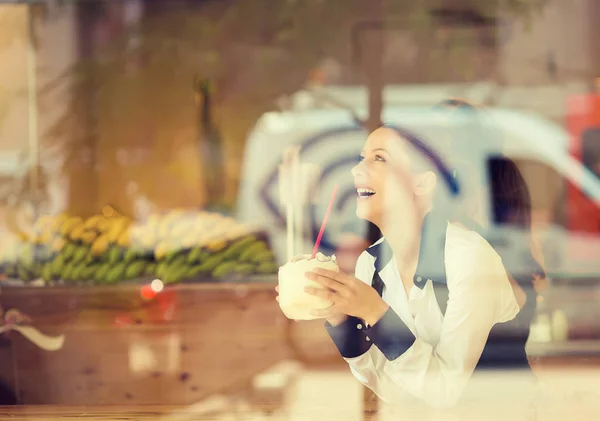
<point>590,149</point>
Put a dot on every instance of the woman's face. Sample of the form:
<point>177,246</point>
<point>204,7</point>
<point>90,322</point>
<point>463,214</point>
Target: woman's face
<point>386,185</point>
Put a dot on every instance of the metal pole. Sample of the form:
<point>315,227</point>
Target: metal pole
<point>32,120</point>
<point>373,68</point>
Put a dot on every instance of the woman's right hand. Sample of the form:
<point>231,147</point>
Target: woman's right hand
<point>336,319</point>
<point>333,320</point>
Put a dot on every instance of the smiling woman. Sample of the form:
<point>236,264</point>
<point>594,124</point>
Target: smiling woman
<point>423,311</point>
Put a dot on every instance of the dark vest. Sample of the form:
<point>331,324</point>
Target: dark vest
<point>505,347</point>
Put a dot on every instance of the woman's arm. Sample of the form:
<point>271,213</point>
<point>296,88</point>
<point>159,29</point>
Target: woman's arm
<point>438,374</point>
<point>347,333</point>
<point>351,341</point>
<point>480,296</point>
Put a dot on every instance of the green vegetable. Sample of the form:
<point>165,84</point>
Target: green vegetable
<point>194,256</point>
<point>88,272</point>
<point>80,254</point>
<point>265,268</point>
<point>237,247</point>
<point>224,269</point>
<point>252,251</point>
<point>24,274</point>
<point>102,272</point>
<point>114,255</point>
<point>57,265</point>
<point>116,273</point>
<point>135,269</point>
<point>264,257</point>
<point>151,269</point>
<point>47,272</point>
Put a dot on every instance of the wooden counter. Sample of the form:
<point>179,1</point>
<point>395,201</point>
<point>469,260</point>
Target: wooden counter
<point>128,358</point>
<point>188,342</point>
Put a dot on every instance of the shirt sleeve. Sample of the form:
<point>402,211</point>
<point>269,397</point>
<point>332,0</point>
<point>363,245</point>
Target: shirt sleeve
<point>439,373</point>
<point>349,336</point>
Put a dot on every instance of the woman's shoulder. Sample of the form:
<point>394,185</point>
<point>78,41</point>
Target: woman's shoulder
<point>471,262</point>
<point>463,243</point>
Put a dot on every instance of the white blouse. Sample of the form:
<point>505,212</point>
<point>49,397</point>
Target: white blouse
<point>438,365</point>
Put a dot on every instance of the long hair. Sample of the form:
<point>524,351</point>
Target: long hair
<point>510,198</point>
<point>507,190</point>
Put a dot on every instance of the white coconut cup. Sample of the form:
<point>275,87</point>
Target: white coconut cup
<point>294,302</point>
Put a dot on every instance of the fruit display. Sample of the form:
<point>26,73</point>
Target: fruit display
<point>109,248</point>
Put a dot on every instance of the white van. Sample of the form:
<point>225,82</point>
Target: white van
<point>331,139</point>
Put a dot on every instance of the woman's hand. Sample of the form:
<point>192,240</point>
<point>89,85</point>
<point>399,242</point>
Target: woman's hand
<point>333,319</point>
<point>349,295</point>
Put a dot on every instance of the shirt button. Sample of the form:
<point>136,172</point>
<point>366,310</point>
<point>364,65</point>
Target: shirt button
<point>359,326</point>
<point>419,279</point>
<point>367,338</point>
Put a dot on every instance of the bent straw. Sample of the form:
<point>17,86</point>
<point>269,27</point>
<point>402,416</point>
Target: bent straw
<point>322,230</point>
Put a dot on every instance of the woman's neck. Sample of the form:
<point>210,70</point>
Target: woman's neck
<point>405,241</point>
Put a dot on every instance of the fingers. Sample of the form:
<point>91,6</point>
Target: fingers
<point>326,281</point>
<point>324,313</point>
<point>326,294</point>
<point>331,274</point>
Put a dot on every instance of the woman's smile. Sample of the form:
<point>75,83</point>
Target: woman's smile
<point>364,192</point>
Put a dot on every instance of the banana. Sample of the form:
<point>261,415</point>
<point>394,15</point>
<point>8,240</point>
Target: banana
<point>93,221</point>
<point>118,228</point>
<point>124,239</point>
<point>88,237</point>
<point>69,225</point>
<point>77,232</point>
<point>100,246</point>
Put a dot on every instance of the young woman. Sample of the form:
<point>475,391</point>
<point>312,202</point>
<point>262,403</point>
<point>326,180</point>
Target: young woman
<point>431,302</point>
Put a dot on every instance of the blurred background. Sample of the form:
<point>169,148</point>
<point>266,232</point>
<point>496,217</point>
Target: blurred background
<point>140,205</point>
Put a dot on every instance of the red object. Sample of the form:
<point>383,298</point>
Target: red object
<point>583,123</point>
<point>147,292</point>
<point>322,230</point>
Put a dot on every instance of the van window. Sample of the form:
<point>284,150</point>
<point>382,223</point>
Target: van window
<point>557,201</point>
<point>547,189</point>
<point>590,149</point>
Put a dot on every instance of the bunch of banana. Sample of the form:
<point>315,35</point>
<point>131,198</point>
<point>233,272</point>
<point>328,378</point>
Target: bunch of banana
<point>174,247</point>
<point>217,259</point>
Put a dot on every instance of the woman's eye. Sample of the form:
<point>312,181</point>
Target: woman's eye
<point>379,158</point>
<point>361,158</point>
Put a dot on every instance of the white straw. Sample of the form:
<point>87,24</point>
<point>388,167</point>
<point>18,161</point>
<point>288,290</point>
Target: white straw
<point>298,202</point>
<point>285,200</point>
<point>290,229</point>
<point>288,197</point>
<point>295,192</point>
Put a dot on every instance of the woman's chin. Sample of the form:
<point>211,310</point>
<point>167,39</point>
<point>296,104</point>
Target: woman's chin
<point>364,213</point>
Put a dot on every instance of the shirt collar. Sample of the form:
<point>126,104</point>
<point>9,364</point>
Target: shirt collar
<point>431,264</point>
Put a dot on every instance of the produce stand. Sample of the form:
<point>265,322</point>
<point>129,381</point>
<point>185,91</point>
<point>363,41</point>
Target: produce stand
<point>166,310</point>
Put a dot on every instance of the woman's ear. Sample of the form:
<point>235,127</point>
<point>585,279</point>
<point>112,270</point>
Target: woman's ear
<point>425,184</point>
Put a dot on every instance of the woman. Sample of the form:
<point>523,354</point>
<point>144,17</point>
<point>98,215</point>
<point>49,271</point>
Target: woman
<point>428,295</point>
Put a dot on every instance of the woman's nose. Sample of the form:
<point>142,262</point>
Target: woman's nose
<point>357,170</point>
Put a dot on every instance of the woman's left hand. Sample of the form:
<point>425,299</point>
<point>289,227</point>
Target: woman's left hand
<point>349,295</point>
